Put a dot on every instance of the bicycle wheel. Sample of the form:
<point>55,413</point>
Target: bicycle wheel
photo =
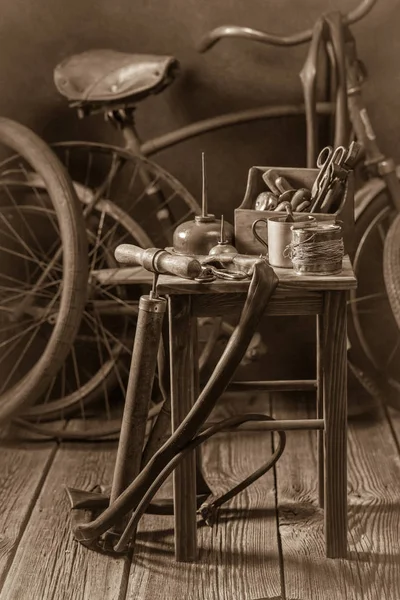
<point>372,329</point>
<point>99,358</point>
<point>43,267</point>
<point>107,329</point>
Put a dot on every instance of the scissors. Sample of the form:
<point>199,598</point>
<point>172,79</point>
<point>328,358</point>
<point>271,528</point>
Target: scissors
<point>327,159</point>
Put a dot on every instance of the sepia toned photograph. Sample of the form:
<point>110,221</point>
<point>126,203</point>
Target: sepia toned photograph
<point>200,300</point>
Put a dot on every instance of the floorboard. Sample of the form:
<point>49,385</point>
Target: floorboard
<point>49,564</point>
<point>23,468</point>
<point>372,571</point>
<point>239,557</point>
<point>245,556</point>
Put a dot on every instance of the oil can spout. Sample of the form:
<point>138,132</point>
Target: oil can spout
<point>199,236</point>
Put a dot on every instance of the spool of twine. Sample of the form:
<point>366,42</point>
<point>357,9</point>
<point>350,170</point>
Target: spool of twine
<point>317,250</point>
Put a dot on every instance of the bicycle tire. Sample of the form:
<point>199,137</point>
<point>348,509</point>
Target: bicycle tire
<point>372,329</point>
<point>38,155</point>
<point>391,267</point>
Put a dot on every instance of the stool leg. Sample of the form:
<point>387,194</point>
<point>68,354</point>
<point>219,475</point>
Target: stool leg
<point>183,354</point>
<point>335,417</point>
<point>320,414</point>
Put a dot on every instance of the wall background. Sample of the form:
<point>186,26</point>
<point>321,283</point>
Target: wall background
<point>236,74</point>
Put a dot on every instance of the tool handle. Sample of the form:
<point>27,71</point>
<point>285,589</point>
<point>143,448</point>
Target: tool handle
<point>158,261</point>
<point>175,264</point>
<point>335,191</point>
<point>282,184</point>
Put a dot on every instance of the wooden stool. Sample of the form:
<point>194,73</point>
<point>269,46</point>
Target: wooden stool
<point>322,296</point>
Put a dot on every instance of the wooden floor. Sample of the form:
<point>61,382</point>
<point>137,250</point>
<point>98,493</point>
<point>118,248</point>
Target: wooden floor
<point>268,543</point>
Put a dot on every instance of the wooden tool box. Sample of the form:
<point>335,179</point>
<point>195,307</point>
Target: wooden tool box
<point>246,214</point>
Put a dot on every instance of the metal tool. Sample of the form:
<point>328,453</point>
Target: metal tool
<point>223,246</point>
<point>283,185</point>
<point>269,177</point>
<point>335,170</point>
<point>287,207</point>
<point>152,309</point>
<point>266,201</point>
<point>300,199</point>
<point>198,236</point>
<point>329,162</point>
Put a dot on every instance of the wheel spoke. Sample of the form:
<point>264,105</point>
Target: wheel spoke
<point>118,300</point>
<point>21,333</point>
<point>100,241</point>
<point>98,236</point>
<point>143,194</point>
<point>78,382</point>
<point>50,389</point>
<point>20,294</point>
<point>21,356</point>
<point>111,336</point>
<point>25,222</point>
<point>12,326</point>
<point>393,352</point>
<point>97,324</point>
<point>106,343</point>
<point>38,196</point>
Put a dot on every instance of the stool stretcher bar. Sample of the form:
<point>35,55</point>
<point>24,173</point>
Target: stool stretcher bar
<point>280,425</point>
<point>289,385</point>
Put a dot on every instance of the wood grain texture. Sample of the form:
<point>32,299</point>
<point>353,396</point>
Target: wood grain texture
<point>334,390</point>
<point>168,284</point>
<point>238,557</point>
<point>123,276</point>
<point>372,570</point>
<point>183,344</point>
<point>49,564</point>
<point>24,466</point>
<point>282,303</point>
<point>320,408</point>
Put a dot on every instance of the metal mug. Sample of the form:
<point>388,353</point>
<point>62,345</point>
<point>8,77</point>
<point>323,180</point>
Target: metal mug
<point>279,236</point>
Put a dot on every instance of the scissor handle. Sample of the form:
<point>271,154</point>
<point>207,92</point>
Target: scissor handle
<point>340,152</point>
<point>325,157</point>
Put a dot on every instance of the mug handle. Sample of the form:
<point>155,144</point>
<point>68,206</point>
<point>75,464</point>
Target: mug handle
<point>256,235</point>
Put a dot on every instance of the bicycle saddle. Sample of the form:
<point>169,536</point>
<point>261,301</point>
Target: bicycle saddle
<point>107,76</point>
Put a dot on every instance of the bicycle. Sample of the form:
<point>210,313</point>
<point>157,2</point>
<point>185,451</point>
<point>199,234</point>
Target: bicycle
<point>372,203</point>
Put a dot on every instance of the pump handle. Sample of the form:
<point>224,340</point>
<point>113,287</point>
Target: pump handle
<point>158,261</point>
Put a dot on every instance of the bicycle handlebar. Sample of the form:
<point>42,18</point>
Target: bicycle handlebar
<point>213,36</point>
